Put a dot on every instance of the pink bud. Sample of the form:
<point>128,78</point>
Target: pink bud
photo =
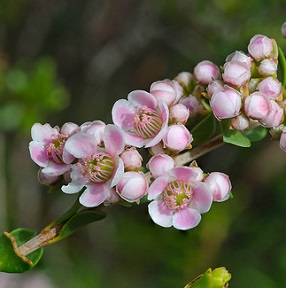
<point>157,149</point>
<point>179,113</point>
<point>267,67</point>
<point>184,78</point>
<point>275,116</point>
<point>177,138</point>
<point>132,159</point>
<point>261,47</point>
<point>226,103</point>
<point>167,90</point>
<point>283,29</point>
<point>159,164</point>
<point>47,179</point>
<point>240,57</point>
<point>240,122</point>
<point>193,104</point>
<point>236,73</point>
<point>219,185</point>
<point>206,71</point>
<point>283,140</point>
<point>215,86</point>
<point>270,87</point>
<point>256,106</point>
<point>132,186</point>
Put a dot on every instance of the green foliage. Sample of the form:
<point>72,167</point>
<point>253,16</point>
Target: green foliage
<point>11,260</point>
<point>26,95</point>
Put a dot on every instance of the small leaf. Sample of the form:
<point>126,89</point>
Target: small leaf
<point>204,130</point>
<point>282,64</point>
<point>202,281</point>
<point>79,220</point>
<point>11,260</point>
<point>256,134</point>
<point>233,137</point>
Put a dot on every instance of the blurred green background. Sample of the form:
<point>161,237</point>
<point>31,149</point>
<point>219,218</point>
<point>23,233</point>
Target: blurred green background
<point>71,60</point>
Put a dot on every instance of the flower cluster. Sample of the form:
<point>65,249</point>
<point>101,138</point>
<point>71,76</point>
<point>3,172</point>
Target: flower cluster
<point>103,162</point>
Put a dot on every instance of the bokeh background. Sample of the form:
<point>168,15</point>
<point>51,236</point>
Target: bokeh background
<point>71,60</point>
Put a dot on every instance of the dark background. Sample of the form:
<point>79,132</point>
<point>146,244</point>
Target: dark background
<point>70,61</point>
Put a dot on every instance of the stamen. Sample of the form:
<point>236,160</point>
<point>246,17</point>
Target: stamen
<point>56,147</point>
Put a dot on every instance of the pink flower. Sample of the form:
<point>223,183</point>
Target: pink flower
<point>179,113</point>
<point>99,167</point>
<point>132,159</point>
<point>184,78</point>
<point>47,148</point>
<point>268,67</point>
<point>275,116</point>
<point>261,47</point>
<point>143,119</point>
<point>177,137</point>
<point>236,73</point>
<point>240,57</point>
<point>226,103</point>
<point>240,122</point>
<point>215,86</point>
<point>169,91</point>
<point>270,87</point>
<point>219,185</point>
<point>159,164</point>
<point>256,106</point>
<point>132,186</point>
<point>193,104</point>
<point>179,198</point>
<point>206,72</point>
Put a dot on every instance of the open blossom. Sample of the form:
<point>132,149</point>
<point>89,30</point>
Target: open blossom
<point>132,186</point>
<point>206,71</point>
<point>170,91</point>
<point>47,149</point>
<point>143,119</point>
<point>99,167</point>
<point>179,198</point>
<point>219,185</point>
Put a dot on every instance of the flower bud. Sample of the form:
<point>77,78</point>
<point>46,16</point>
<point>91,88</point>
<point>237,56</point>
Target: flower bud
<point>216,85</point>
<point>240,57</point>
<point>167,90</point>
<point>240,122</point>
<point>226,103</point>
<point>283,29</point>
<point>283,139</point>
<point>236,73</point>
<point>47,179</point>
<point>157,149</point>
<point>132,186</point>
<point>275,116</point>
<point>177,138</point>
<point>184,78</point>
<point>267,67</point>
<point>261,47</point>
<point>132,159</point>
<point>179,113</point>
<point>193,104</point>
<point>270,87</point>
<point>159,164</point>
<point>219,185</point>
<point>206,71</point>
<point>256,106</point>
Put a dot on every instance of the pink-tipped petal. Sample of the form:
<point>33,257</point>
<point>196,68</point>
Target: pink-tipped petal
<point>141,98</point>
<point>81,145</point>
<point>43,133</point>
<point>94,195</point>
<point>69,128</point>
<point>202,198</point>
<point>123,114</point>
<point>67,157</point>
<point>38,153</point>
<point>55,169</point>
<point>160,213</point>
<point>158,186</point>
<point>184,173</point>
<point>113,139</point>
<point>186,219</point>
<point>119,171</point>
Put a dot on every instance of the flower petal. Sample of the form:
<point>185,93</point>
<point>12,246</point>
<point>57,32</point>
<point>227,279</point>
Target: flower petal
<point>158,186</point>
<point>113,139</point>
<point>69,128</point>
<point>38,153</point>
<point>94,195</point>
<point>202,197</point>
<point>141,98</point>
<point>55,169</point>
<point>123,114</point>
<point>186,219</point>
<point>43,133</point>
<point>119,171</point>
<point>184,173</point>
<point>160,213</point>
<point>81,145</point>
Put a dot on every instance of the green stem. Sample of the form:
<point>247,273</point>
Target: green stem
<point>282,63</point>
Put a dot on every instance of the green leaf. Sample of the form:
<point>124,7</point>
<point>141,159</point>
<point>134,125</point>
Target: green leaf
<point>233,137</point>
<point>282,63</point>
<point>204,130</point>
<point>11,260</point>
<point>256,134</point>
<point>79,220</point>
